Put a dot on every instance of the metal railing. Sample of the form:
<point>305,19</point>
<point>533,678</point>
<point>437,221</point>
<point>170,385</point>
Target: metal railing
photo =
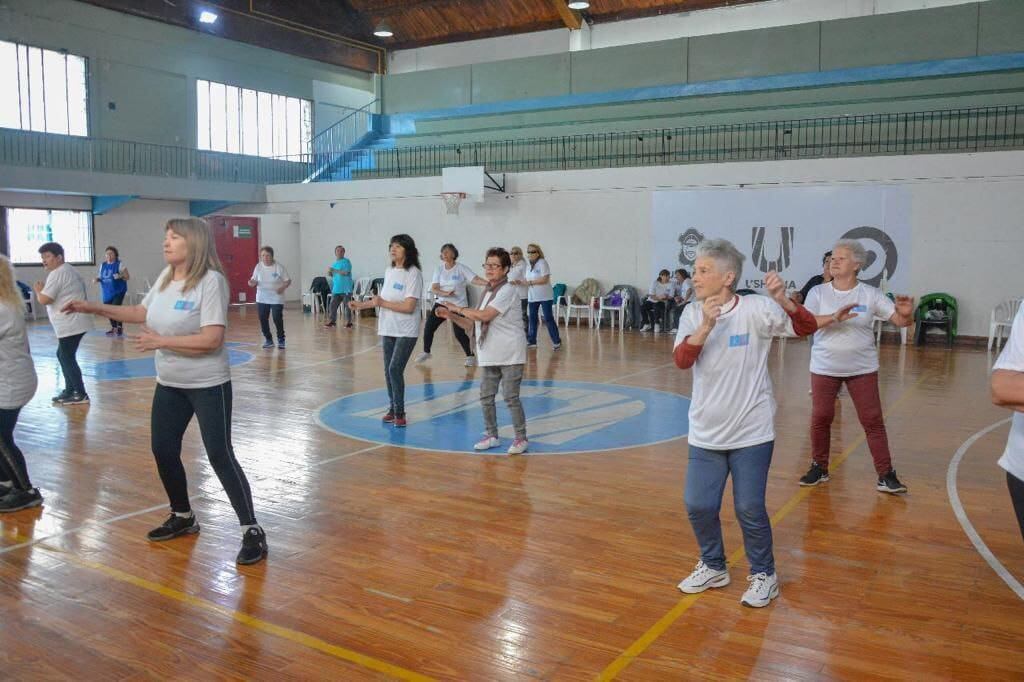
<point>67,152</point>
<point>330,146</point>
<point>955,130</point>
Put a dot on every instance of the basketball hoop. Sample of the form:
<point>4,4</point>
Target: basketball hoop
<point>452,201</point>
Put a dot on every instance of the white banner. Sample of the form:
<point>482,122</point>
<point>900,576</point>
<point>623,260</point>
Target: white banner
<point>786,230</point>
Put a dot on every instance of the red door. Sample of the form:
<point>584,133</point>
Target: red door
<point>237,241</point>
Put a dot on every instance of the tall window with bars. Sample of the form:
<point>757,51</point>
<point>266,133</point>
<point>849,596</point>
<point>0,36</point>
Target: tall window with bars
<point>24,230</point>
<point>243,121</point>
<point>43,90</point>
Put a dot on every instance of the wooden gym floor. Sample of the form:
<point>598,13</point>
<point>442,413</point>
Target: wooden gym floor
<point>393,562</point>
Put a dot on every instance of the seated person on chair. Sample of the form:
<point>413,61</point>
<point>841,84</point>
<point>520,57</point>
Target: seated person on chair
<point>653,307</point>
<point>682,295</point>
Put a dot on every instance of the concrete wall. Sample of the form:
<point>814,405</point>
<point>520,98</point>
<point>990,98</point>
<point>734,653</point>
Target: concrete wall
<point>148,69</point>
<point>598,223</point>
<point>861,39</point>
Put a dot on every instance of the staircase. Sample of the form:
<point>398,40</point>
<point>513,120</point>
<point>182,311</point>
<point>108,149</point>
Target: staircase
<point>350,145</point>
<point>359,157</point>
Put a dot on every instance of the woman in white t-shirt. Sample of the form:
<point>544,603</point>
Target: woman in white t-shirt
<point>185,315</point>
<point>270,279</point>
<point>726,339</point>
<point>517,278</point>
<point>398,322</point>
<point>541,295</point>
<point>17,386</point>
<point>844,353</point>
<point>501,348</point>
<point>449,286</point>
<point>653,309</point>
<point>1008,391</point>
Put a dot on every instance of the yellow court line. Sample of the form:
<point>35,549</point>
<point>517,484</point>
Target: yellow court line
<point>655,631</point>
<point>300,638</point>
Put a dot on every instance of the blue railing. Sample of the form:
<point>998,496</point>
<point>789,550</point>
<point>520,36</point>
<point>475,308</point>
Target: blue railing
<point>331,145</point>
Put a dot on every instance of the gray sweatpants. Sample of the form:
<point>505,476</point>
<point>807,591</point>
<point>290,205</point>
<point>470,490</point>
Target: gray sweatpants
<point>510,377</point>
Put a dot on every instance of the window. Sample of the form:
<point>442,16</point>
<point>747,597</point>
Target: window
<point>42,90</point>
<point>242,121</point>
<point>29,228</point>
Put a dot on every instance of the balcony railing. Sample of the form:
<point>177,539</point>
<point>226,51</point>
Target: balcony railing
<point>66,152</point>
<point>955,130</point>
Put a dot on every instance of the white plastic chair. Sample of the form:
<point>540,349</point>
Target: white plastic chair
<point>577,309</point>
<point>612,310</point>
<point>139,295</point>
<point>361,291</point>
<point>315,303</point>
<point>1002,318</point>
<point>879,323</point>
<point>32,305</point>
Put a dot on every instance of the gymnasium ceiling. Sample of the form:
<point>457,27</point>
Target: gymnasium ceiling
<point>340,32</point>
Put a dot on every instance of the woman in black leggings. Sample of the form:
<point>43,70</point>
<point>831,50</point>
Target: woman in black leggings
<point>185,315</point>
<point>17,386</point>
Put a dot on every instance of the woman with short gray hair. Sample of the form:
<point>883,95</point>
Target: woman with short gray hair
<point>725,338</point>
<point>844,353</point>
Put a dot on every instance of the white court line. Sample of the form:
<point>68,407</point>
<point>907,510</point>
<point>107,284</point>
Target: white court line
<point>643,371</point>
<point>961,515</point>
<point>87,525</point>
<point>351,454</point>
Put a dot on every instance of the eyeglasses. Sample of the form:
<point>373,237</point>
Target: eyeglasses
<point>532,251</point>
<point>491,266</point>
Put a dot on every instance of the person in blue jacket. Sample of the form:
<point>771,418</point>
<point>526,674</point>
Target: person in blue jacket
<point>113,279</point>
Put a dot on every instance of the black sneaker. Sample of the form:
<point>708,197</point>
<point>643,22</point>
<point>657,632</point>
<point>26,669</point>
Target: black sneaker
<point>254,547</point>
<point>60,396</point>
<point>173,527</point>
<point>16,500</point>
<point>814,475</point>
<point>890,484</point>
<point>74,398</point>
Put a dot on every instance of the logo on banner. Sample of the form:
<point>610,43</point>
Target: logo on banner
<point>783,255</point>
<point>884,244</point>
<point>689,241</point>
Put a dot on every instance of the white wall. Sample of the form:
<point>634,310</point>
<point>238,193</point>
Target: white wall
<point>967,219</point>
<point>650,29</point>
<point>136,229</point>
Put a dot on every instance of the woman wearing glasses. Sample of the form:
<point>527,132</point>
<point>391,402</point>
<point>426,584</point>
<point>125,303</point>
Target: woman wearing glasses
<point>501,348</point>
<point>517,278</point>
<point>541,296</point>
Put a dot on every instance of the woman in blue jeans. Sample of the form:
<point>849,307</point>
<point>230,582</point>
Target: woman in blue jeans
<point>541,295</point>
<point>726,340</point>
<point>398,322</point>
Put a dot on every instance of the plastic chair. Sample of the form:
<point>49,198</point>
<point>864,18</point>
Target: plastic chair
<point>361,291</point>
<point>604,305</point>
<point>559,296</point>
<point>1001,318</point>
<point>936,302</point>
<point>578,309</point>
<point>139,295</point>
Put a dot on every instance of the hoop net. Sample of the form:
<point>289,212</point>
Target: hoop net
<point>452,200</point>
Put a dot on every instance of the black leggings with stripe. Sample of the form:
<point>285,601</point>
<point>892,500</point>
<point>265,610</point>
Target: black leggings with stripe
<point>173,409</point>
<point>12,462</point>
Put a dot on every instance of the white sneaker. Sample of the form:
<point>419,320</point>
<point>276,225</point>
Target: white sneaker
<point>673,330</point>
<point>470,361</point>
<point>486,443</point>
<point>657,328</point>
<point>763,588</point>
<point>645,328</point>
<point>422,357</point>
<point>702,578</point>
<point>518,446</point>
<point>556,346</point>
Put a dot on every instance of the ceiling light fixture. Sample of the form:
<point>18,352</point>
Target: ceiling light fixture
<point>207,17</point>
<point>579,4</point>
<point>383,30</point>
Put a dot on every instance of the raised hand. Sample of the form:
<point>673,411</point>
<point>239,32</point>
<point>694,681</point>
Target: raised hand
<point>712,308</point>
<point>905,306</point>
<point>844,314</point>
<point>775,286</point>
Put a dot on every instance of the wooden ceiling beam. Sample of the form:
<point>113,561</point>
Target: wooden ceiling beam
<point>379,9</point>
<point>569,17</point>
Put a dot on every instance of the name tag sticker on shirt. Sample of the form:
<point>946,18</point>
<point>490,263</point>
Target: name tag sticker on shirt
<point>398,285</point>
<point>860,309</point>
<point>737,340</point>
<point>184,305</point>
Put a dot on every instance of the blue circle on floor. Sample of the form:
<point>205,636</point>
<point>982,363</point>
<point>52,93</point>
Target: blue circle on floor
<point>562,417</point>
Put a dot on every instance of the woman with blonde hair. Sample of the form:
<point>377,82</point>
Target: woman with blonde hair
<point>541,296</point>
<point>185,317</point>
<point>17,386</point>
